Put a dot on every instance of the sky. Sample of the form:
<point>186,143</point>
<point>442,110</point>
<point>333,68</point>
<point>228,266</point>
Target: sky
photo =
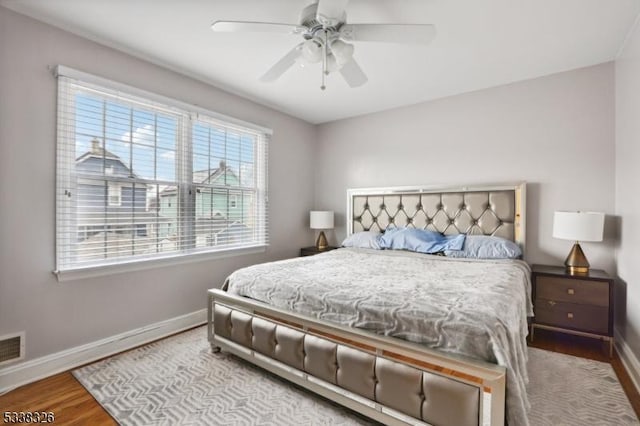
<point>145,140</point>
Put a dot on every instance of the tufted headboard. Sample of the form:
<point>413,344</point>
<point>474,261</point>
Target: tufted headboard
<point>488,210</point>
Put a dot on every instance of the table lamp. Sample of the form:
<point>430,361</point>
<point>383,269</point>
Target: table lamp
<point>578,226</point>
<point>321,220</point>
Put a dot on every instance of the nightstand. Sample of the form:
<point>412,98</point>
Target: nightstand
<point>574,304</point>
<point>310,251</point>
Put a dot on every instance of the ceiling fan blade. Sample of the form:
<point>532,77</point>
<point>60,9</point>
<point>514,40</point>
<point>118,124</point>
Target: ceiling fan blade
<point>256,27</point>
<point>389,33</point>
<point>331,12</point>
<point>282,65</point>
<point>353,74</point>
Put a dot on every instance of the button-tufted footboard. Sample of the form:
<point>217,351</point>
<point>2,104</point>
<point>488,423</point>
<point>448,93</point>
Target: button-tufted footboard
<point>387,379</point>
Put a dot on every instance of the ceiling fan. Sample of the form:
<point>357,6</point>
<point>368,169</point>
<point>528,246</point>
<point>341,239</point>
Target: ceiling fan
<point>323,25</point>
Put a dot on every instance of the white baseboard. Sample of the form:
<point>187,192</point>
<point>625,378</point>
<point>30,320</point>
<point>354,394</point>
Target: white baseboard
<point>17,375</point>
<point>629,360</point>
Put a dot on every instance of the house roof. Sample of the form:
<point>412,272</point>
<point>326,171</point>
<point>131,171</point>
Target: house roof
<point>97,151</point>
<point>204,176</point>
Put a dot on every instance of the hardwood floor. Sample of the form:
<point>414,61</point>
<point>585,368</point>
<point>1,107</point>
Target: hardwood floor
<point>61,394</point>
<point>73,405</point>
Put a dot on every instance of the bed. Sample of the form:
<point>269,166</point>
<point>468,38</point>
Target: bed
<point>403,338</point>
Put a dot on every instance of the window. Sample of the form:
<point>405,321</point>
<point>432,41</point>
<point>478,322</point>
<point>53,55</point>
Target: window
<point>114,193</point>
<point>142,177</point>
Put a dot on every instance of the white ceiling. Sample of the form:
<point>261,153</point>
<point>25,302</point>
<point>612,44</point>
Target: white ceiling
<point>480,43</point>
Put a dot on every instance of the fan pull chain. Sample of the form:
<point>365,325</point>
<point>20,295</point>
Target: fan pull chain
<point>324,60</point>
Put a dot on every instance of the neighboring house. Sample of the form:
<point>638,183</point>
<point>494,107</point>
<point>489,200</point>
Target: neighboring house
<point>217,210</point>
<point>235,233</point>
<point>109,209</point>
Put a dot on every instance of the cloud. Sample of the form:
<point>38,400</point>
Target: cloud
<point>144,135</point>
<point>169,155</point>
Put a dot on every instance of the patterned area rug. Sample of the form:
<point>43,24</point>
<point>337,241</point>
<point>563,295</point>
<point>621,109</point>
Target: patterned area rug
<point>567,390</point>
<point>179,381</point>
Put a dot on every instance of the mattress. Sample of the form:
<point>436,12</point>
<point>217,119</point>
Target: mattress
<point>476,308</point>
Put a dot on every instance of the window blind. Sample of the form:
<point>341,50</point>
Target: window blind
<point>139,178</point>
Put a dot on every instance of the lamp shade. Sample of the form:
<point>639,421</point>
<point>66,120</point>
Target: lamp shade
<point>321,219</point>
<point>578,226</point>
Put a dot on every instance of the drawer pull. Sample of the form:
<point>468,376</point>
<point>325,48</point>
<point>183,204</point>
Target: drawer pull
<point>571,291</point>
<point>552,303</point>
<point>570,315</point>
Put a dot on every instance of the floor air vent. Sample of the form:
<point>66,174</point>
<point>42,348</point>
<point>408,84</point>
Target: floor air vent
<point>11,348</point>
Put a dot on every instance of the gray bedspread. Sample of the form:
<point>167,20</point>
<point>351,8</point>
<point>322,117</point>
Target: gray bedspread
<point>477,308</point>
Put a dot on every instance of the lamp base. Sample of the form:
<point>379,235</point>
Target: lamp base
<point>577,263</point>
<point>321,242</point>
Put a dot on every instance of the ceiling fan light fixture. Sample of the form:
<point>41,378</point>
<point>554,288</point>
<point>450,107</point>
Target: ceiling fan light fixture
<point>342,51</point>
<point>327,39</point>
<point>332,63</point>
<point>312,51</point>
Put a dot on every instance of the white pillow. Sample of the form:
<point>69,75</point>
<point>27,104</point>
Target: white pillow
<point>365,239</point>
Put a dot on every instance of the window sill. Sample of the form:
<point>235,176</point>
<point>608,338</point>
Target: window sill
<point>142,264</point>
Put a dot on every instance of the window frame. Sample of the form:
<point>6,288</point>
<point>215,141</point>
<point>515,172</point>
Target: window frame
<point>183,254</point>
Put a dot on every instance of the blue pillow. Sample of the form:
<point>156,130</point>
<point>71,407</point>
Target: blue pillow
<point>420,240</point>
<point>487,247</point>
<point>365,239</point>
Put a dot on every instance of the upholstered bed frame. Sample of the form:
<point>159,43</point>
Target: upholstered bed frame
<point>491,210</point>
<point>390,380</point>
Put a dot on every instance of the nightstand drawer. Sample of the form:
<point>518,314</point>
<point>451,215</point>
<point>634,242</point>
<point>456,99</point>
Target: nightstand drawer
<point>573,291</point>
<point>588,318</point>
<point>310,251</point>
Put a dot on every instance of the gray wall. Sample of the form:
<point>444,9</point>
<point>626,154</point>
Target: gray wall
<point>628,188</point>
<point>555,132</point>
<point>58,316</point>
